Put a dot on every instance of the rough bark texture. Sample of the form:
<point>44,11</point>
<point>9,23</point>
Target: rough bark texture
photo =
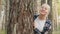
<point>20,17</point>
<point>50,15</point>
<point>43,1</point>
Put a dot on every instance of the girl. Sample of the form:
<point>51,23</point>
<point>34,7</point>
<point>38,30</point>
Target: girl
<point>41,24</point>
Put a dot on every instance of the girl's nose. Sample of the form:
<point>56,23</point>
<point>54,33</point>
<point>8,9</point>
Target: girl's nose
<point>43,9</point>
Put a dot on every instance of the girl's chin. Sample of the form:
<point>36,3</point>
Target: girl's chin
<point>43,14</point>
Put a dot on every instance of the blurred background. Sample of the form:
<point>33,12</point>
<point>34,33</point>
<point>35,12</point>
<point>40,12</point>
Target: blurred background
<point>54,15</point>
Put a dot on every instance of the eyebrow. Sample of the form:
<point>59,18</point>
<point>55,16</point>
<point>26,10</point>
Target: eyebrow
<point>45,7</point>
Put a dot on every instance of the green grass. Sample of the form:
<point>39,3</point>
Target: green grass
<point>56,32</point>
<point>2,32</point>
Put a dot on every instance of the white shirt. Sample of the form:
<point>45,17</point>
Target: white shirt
<point>39,24</point>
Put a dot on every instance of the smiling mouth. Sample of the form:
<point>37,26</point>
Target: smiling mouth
<point>43,12</point>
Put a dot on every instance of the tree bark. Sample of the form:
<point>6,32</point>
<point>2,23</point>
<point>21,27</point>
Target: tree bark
<point>21,17</point>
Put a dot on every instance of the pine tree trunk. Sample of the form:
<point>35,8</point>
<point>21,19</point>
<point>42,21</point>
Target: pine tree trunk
<point>20,17</point>
<point>50,15</point>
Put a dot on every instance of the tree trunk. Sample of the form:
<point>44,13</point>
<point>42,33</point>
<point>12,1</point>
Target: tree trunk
<point>50,15</point>
<point>20,17</point>
<point>43,1</point>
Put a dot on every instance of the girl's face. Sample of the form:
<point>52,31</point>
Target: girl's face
<point>44,10</point>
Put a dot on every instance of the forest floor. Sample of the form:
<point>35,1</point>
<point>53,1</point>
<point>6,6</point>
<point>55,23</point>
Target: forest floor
<point>2,32</point>
<point>56,32</point>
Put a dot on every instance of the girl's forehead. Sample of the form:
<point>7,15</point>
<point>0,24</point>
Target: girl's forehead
<point>46,6</point>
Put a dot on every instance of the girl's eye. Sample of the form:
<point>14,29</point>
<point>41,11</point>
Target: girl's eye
<point>45,8</point>
<point>41,7</point>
